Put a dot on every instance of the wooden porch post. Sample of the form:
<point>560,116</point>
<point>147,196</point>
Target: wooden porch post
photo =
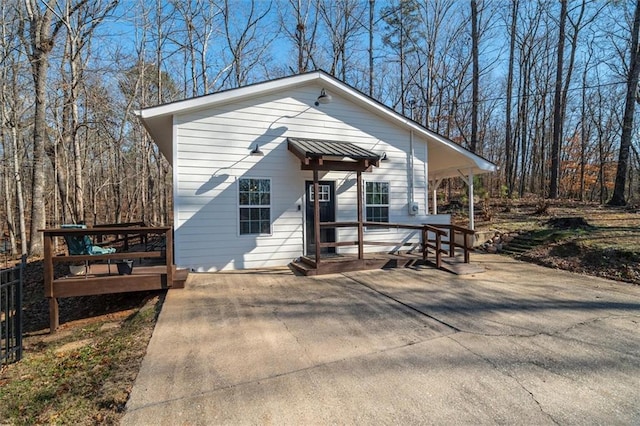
<point>472,225</point>
<point>316,215</point>
<point>54,316</point>
<point>360,226</point>
<point>169,255</point>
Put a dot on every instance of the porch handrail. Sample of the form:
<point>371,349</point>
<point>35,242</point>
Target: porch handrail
<point>434,244</point>
<point>466,245</point>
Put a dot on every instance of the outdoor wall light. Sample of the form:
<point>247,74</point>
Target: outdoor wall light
<point>324,98</point>
<point>256,152</point>
<point>383,156</point>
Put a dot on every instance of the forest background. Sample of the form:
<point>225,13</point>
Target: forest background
<point>545,89</point>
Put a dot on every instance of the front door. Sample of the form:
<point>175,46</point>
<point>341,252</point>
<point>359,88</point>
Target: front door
<point>327,196</point>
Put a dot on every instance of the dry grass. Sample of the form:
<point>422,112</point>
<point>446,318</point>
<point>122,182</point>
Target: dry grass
<point>609,247</point>
<point>81,375</point>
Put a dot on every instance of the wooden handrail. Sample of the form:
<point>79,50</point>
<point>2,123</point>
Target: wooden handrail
<point>434,244</point>
<point>438,230</point>
<point>109,256</point>
<point>61,232</point>
<point>127,237</point>
<point>93,286</point>
<point>466,246</point>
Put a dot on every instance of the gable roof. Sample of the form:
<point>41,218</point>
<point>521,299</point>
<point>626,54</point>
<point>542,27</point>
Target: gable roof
<point>158,120</point>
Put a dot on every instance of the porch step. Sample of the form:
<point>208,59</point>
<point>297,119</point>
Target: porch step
<point>300,267</point>
<point>179,278</point>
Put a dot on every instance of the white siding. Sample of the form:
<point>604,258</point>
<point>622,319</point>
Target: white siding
<point>212,153</point>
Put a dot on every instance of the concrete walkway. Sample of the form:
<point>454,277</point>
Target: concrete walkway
<point>518,344</point>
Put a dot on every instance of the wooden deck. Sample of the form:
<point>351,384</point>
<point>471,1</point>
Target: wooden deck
<point>153,267</point>
<point>445,247</point>
<point>346,263</point>
<point>100,281</point>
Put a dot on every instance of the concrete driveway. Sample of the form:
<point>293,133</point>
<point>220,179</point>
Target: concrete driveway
<point>517,344</point>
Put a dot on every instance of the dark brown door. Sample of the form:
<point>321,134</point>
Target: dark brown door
<point>327,214</point>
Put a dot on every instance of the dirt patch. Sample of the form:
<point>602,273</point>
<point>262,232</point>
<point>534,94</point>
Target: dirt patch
<point>568,223</point>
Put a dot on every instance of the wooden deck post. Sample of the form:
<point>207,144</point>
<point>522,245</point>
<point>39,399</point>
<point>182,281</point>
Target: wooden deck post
<point>438,250</point>
<point>316,215</point>
<point>452,242</point>
<point>360,226</point>
<point>54,316</point>
<point>466,247</point>
<point>425,237</point>
<point>169,256</point>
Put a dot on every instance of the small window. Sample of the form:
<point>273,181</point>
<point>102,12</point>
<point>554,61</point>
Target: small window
<point>377,201</point>
<point>254,200</point>
<point>324,191</point>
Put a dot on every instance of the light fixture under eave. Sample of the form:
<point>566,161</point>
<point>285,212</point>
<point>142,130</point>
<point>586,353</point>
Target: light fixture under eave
<point>256,151</point>
<point>324,98</point>
<point>383,156</point>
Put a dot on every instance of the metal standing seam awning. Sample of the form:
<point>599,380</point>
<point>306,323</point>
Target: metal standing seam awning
<point>315,155</point>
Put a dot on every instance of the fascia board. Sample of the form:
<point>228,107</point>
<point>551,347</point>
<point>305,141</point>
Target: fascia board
<point>227,96</point>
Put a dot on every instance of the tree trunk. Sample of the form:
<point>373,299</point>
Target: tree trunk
<point>371,7</point>
<point>557,108</point>
<point>508,137</point>
<point>618,197</point>
<point>40,65</point>
<point>476,76</point>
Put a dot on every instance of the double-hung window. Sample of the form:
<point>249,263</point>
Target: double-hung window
<point>376,201</point>
<point>254,202</point>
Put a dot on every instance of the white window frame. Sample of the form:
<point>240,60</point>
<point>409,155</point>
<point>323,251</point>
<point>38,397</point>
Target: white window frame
<point>240,206</point>
<point>325,193</point>
<point>388,205</point>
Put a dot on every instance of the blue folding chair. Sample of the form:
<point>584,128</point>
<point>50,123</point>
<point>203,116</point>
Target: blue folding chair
<point>79,245</point>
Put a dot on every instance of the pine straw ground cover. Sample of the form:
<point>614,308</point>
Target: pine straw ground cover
<point>83,374</point>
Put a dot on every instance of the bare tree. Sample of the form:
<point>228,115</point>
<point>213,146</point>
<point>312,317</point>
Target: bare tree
<point>618,197</point>
<point>12,111</point>
<point>38,30</point>
<point>342,20</point>
<point>243,41</point>
<point>301,31</point>
<point>475,75</point>
<point>509,172</point>
<point>557,104</point>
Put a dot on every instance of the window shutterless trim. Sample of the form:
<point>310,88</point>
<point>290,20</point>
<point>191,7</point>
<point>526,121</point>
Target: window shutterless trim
<point>253,208</point>
<point>380,205</point>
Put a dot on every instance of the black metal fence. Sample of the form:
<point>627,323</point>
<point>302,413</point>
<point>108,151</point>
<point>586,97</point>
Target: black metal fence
<point>11,313</point>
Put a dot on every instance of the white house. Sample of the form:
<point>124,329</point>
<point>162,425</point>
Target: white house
<point>244,162</point>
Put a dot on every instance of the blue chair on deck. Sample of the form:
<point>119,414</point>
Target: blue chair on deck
<point>79,245</point>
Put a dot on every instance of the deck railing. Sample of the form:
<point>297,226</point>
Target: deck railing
<point>466,236</point>
<point>104,282</point>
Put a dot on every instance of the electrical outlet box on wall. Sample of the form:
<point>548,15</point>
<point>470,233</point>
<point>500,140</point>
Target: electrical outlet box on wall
<point>413,208</point>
